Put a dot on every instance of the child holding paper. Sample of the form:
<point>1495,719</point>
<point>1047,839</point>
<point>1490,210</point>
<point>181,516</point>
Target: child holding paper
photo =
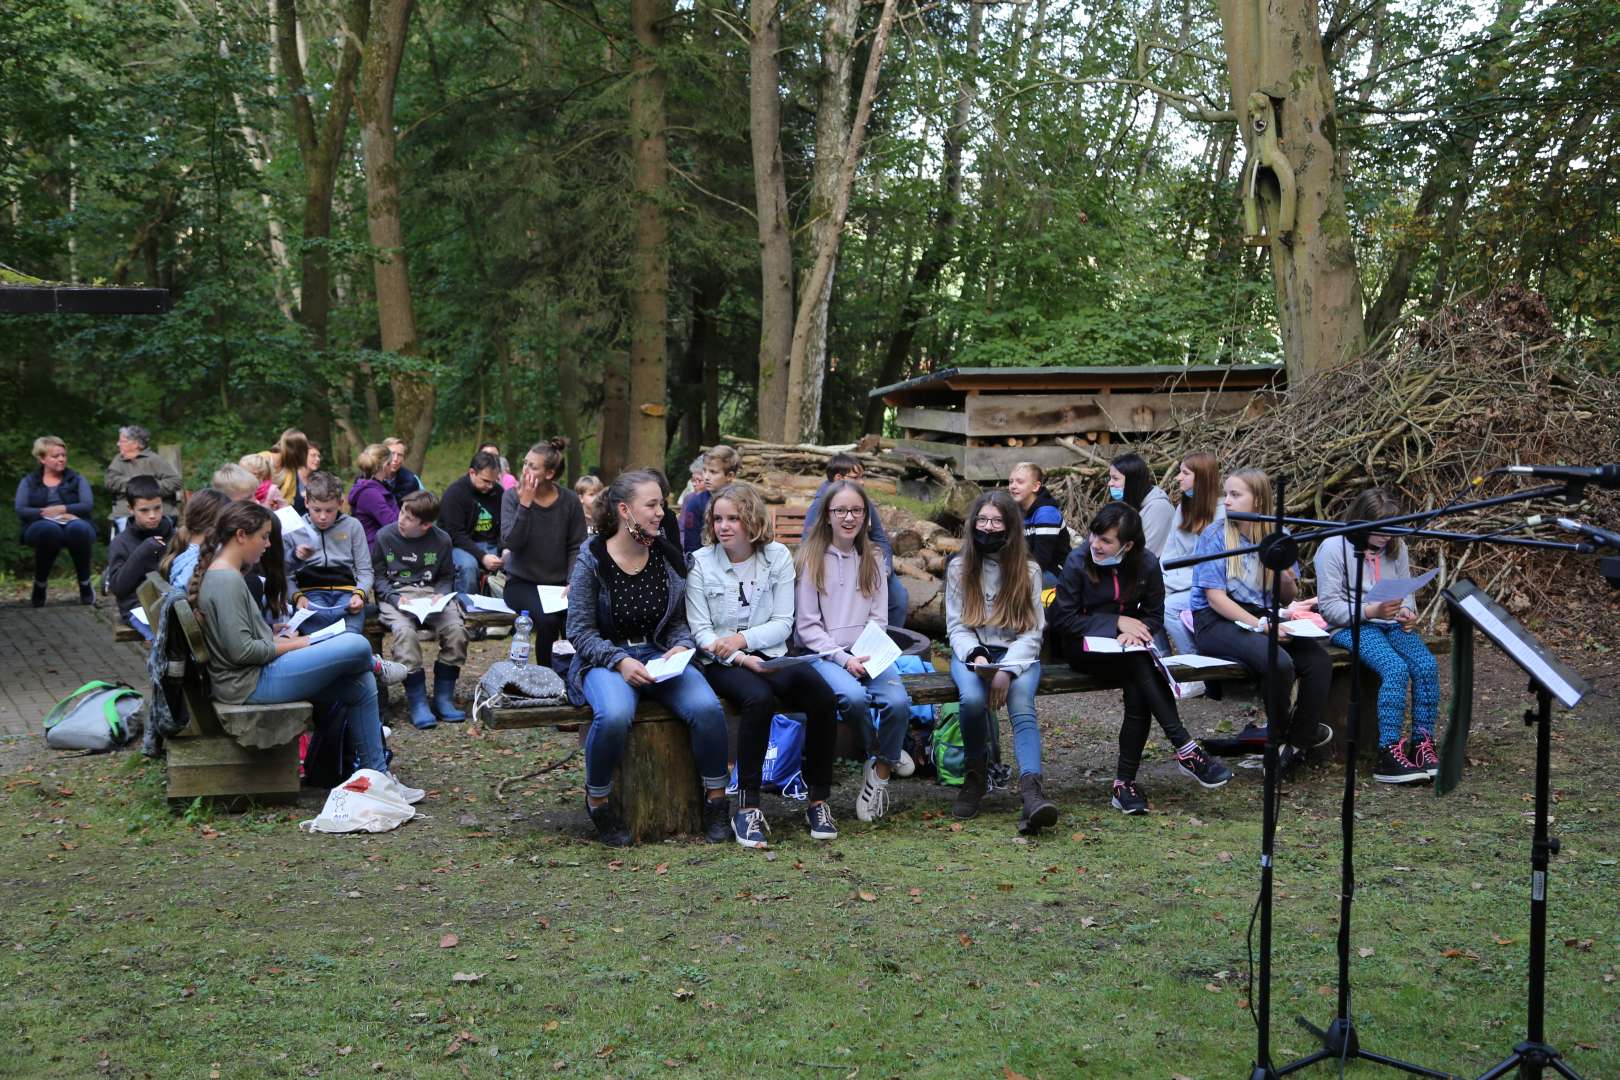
<point>739,603</point>
<point>413,560</point>
<point>842,588</point>
<point>994,616</point>
<point>1230,601</point>
<point>1111,598</point>
<point>1389,644</point>
<point>542,528</point>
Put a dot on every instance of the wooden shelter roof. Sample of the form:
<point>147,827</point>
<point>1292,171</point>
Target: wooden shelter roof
<point>949,384</point>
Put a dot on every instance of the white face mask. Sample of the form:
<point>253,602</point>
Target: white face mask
<point>1113,560</point>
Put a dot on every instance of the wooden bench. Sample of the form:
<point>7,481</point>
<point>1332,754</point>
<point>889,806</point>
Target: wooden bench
<point>787,524</point>
<point>204,759</point>
<point>656,786</point>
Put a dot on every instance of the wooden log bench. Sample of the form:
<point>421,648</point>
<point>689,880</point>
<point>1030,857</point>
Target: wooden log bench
<point>656,786</point>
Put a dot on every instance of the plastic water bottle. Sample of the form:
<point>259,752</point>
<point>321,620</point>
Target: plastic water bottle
<point>519,652</point>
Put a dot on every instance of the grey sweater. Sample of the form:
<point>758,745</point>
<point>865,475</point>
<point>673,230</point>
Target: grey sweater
<point>543,541</point>
<point>966,641</point>
<point>1334,583</point>
<point>239,642</point>
<point>403,563</point>
<point>1158,516</point>
<point>342,558</point>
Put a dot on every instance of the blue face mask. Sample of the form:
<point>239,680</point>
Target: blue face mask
<point>1187,493</point>
<point>1116,493</point>
<point>1113,560</point>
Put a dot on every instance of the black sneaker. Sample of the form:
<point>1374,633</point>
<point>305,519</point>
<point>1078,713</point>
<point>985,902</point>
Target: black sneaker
<point>1394,767</point>
<point>748,827</point>
<point>1128,798</point>
<point>1421,750</point>
<point>38,597</point>
<point>822,826</point>
<point>717,820</point>
<point>610,827</point>
<point>1308,736</point>
<point>1203,768</point>
<point>87,594</point>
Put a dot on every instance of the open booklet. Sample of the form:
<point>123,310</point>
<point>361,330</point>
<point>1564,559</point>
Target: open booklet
<point>666,668</point>
<point>424,608</point>
<point>1111,645</point>
<point>1397,588</point>
<point>494,604</point>
<point>1300,628</point>
<point>878,647</point>
<point>782,663</point>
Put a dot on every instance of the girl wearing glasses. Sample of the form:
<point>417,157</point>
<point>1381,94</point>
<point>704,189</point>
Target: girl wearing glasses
<point>842,586</point>
<point>994,616</point>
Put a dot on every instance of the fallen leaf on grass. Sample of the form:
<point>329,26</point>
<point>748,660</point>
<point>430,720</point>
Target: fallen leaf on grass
<point>683,994</point>
<point>1364,952</point>
<point>467,977</point>
<point>1087,922</point>
<point>550,1026</point>
<point>1502,940</point>
<point>1583,944</point>
<point>1466,954</point>
<point>866,897</point>
<point>966,939</point>
<point>661,869</point>
<point>449,941</point>
<point>1008,1074</point>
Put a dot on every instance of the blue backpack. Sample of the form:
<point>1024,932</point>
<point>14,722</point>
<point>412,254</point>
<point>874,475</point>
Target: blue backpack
<point>784,757</point>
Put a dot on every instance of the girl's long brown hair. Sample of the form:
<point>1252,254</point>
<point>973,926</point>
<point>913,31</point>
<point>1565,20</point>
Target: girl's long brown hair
<point>1014,607</point>
<point>812,554</point>
<point>248,517</point>
<point>202,510</point>
<point>1259,483</point>
<point>1375,503</point>
<point>1197,514</point>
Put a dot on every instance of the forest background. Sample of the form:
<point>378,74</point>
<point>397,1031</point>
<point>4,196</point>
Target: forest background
<point>468,219</point>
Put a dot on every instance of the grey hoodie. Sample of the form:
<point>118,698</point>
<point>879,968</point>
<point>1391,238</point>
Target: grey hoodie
<point>342,558</point>
<point>967,640</point>
<point>1158,516</point>
<point>1334,584</point>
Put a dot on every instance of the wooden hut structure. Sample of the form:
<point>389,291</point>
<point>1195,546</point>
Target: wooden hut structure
<point>986,420</point>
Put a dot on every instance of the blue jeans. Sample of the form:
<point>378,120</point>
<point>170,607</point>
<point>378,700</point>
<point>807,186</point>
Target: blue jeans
<point>47,538</point>
<point>976,719</point>
<point>1181,638</point>
<point>880,708</point>
<point>329,606</point>
<point>467,567</point>
<point>899,600</point>
<point>1400,657</point>
<point>335,674</point>
<point>140,627</point>
<point>613,706</point>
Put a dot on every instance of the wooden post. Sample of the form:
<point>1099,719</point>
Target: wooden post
<point>656,786</point>
<point>1338,708</point>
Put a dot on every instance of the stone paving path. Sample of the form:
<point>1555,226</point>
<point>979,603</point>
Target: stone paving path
<point>46,654</point>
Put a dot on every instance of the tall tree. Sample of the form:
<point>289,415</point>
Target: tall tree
<point>771,214</point>
<point>649,257</point>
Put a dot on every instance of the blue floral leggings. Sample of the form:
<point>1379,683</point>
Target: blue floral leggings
<point>1399,656</point>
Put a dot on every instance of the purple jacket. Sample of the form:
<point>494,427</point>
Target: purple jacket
<point>373,505</point>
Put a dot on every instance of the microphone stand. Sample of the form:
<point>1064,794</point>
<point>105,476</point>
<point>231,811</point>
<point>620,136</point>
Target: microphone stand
<point>1278,551</point>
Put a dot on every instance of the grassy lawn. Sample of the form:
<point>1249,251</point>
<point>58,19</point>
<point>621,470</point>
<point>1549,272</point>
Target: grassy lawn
<point>491,938</point>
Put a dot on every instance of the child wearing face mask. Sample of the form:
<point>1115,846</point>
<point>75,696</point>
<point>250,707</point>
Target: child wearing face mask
<point>1390,644</point>
<point>1130,482</point>
<point>994,615</point>
<point>1112,588</point>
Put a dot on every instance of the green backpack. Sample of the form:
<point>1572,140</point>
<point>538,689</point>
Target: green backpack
<point>949,754</point>
<point>96,716</point>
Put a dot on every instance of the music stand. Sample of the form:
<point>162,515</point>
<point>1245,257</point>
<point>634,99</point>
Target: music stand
<point>1549,679</point>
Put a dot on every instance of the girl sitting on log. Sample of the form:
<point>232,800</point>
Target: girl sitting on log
<point>248,665</point>
<point>1389,644</point>
<point>1200,507</point>
<point>1112,590</point>
<point>1047,538</point>
<point>994,616</point>
<point>626,608</point>
<point>739,603</point>
<point>842,586</point>
<point>1230,601</point>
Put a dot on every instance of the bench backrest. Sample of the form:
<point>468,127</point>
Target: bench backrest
<point>188,653</point>
<point>787,523</point>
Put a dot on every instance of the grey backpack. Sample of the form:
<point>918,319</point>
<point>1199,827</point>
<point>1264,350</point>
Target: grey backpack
<point>96,716</point>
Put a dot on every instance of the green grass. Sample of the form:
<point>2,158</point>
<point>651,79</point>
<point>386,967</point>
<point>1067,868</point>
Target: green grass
<point>138,941</point>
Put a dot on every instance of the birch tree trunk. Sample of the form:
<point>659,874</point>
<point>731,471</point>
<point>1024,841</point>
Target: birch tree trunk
<point>771,213</point>
<point>649,258</point>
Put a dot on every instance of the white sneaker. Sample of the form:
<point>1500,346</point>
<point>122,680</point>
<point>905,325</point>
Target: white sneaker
<point>412,795</point>
<point>906,766</point>
<point>873,801</point>
<point>391,672</point>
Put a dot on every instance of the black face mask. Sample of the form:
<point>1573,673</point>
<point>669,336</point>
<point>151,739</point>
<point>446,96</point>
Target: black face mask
<point>989,543</point>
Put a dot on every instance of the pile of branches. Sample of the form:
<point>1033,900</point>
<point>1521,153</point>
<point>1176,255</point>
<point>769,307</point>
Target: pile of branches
<point>1486,382</point>
<point>791,473</point>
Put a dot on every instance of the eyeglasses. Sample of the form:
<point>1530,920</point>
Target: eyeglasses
<point>847,512</point>
<point>989,524</point>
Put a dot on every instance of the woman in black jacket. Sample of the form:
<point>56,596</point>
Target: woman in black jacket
<point>54,505</point>
<point>1109,608</point>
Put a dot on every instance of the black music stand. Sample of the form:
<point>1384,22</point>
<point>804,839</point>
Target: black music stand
<point>1548,679</point>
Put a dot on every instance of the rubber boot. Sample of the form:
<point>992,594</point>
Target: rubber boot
<point>444,693</point>
<point>416,699</point>
<point>1039,811</point>
<point>972,791</point>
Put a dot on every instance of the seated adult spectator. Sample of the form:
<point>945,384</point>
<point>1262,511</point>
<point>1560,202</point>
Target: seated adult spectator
<point>135,552</point>
<point>470,511</point>
<point>508,481</point>
<point>289,457</point>
<point>400,480</point>
<point>54,505</point>
<point>135,459</point>
<point>412,561</point>
<point>202,510</point>
<point>371,501</point>
<point>312,463</point>
<point>849,467</point>
<point>329,560</point>
<point>542,528</point>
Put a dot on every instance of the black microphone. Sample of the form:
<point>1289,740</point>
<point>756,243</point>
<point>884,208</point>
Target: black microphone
<point>1591,532</point>
<point>1607,476</point>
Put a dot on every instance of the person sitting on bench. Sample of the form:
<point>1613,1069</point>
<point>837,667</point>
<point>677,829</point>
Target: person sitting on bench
<point>849,467</point>
<point>54,505</point>
<point>135,552</point>
<point>328,559</point>
<point>412,561</point>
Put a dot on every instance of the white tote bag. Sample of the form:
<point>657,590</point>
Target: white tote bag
<point>369,801</point>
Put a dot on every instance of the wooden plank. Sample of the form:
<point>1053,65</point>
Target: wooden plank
<point>917,419</point>
<point>993,463</point>
<point>951,452</point>
<point>217,765</point>
<point>1000,415</point>
<point>787,524</point>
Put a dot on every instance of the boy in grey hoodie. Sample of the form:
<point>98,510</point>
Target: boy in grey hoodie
<point>328,560</point>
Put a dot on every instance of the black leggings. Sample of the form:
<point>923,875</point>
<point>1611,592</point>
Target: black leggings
<point>521,595</point>
<point>48,539</point>
<point>1147,696</point>
<point>1299,660</point>
<point>757,698</point>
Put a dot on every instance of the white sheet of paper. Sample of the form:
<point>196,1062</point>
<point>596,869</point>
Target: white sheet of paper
<point>665,668</point>
<point>138,613</point>
<point>422,608</point>
<point>291,521</point>
<point>878,647</point>
<point>780,663</point>
<point>1303,628</point>
<point>1397,588</point>
<point>328,631</point>
<point>474,602</point>
<point>553,598</point>
<point>299,618</point>
<point>1193,660</point>
<point>1111,645</point>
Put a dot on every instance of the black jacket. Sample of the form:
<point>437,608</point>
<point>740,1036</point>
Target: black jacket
<point>130,557</point>
<point>470,516</point>
<point>1087,608</point>
<point>1043,529</point>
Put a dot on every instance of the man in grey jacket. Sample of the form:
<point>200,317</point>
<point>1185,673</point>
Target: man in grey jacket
<point>135,459</point>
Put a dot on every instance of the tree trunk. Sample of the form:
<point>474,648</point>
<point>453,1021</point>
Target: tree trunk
<point>649,257</point>
<point>799,423</point>
<point>1274,49</point>
<point>942,240</point>
<point>573,326</point>
<point>771,212</point>
<point>614,440</point>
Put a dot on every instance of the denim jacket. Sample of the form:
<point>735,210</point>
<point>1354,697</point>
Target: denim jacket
<point>711,599</point>
<point>590,626</point>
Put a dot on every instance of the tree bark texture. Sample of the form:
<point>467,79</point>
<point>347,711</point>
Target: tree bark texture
<point>614,440</point>
<point>771,212</point>
<point>414,393</point>
<point>649,259</point>
<point>1274,48</point>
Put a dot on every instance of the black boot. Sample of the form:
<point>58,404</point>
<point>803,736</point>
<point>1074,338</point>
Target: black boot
<point>610,827</point>
<point>972,791</point>
<point>1039,811</point>
<point>717,820</point>
<point>38,598</point>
